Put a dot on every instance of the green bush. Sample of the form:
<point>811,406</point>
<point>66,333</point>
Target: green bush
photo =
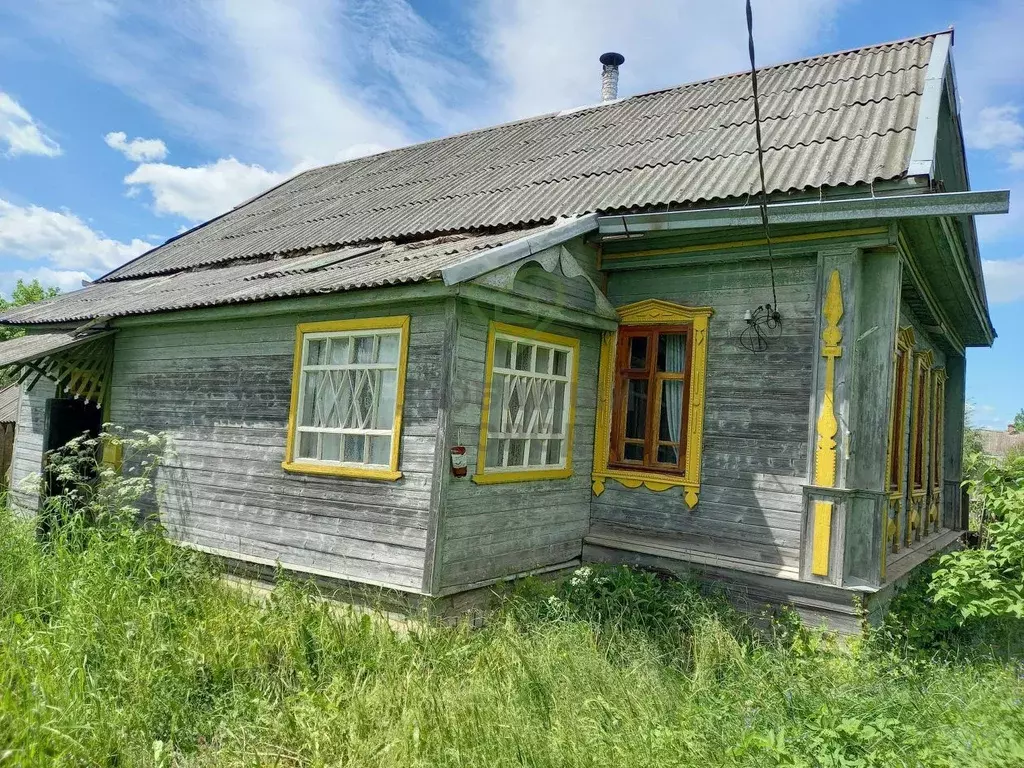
<point>988,581</point>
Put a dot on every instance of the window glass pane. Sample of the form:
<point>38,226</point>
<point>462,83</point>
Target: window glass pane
<point>668,454</point>
<point>514,406</point>
<point>380,450</point>
<point>516,452</point>
<point>634,452</point>
<point>339,350</point>
<point>308,445</point>
<point>561,362</point>
<point>670,423</point>
<point>536,453</point>
<point>637,352</point>
<point>315,351</point>
<point>497,406</point>
<point>364,349</point>
<point>543,361</point>
<point>388,350</point>
<point>330,446</point>
<point>636,409</point>
<point>672,352</point>
<point>309,386</point>
<point>502,353</point>
<point>354,448</point>
<point>558,416</point>
<point>546,421</point>
<point>554,454</point>
<point>386,403</point>
<point>523,352</point>
<point>362,409</point>
<point>494,452</point>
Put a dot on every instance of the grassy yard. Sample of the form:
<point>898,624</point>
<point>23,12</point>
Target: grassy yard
<point>117,648</point>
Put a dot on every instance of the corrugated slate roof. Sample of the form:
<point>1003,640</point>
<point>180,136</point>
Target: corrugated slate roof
<point>344,269</point>
<point>10,397</point>
<point>840,119</point>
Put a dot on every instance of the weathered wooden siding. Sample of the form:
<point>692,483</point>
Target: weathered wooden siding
<point>756,424</point>
<point>221,392</point>
<point>28,443</point>
<point>491,531</point>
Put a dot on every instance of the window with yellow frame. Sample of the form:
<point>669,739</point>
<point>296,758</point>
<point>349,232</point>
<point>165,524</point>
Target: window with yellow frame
<point>529,405</point>
<point>650,413</point>
<point>348,384</point>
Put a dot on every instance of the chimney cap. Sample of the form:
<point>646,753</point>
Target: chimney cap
<point>612,58</point>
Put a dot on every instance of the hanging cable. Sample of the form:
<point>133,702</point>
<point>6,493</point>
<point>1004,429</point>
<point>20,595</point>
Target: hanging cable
<point>774,311</point>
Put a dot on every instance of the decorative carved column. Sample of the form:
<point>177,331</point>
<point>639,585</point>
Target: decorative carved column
<point>827,426</point>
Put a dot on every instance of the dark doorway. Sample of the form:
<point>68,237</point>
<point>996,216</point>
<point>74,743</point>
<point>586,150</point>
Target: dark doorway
<point>66,419</point>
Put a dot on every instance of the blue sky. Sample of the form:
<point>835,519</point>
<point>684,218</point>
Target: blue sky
<point>123,123</point>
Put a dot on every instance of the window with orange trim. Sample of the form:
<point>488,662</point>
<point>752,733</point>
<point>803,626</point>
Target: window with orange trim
<point>920,427</point>
<point>652,393</point>
<point>896,428</point>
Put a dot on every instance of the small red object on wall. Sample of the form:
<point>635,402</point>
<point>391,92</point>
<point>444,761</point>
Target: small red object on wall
<point>459,461</point>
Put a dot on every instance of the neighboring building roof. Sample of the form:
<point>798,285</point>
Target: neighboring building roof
<point>840,119</point>
<point>998,443</point>
<point>10,397</point>
<point>337,270</point>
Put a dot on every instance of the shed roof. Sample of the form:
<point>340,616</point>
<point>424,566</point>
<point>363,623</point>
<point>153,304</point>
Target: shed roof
<point>839,119</point>
<point>336,270</point>
<point>10,397</point>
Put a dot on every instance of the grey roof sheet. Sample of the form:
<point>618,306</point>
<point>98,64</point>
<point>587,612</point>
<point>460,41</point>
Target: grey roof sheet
<point>339,270</point>
<point>10,397</point>
<point>34,345</point>
<point>839,119</point>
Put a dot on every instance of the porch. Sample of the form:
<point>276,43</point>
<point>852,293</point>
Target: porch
<point>756,587</point>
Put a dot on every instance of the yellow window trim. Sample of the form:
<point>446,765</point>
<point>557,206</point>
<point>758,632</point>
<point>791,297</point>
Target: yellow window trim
<point>482,477</point>
<point>654,312</point>
<point>396,322</point>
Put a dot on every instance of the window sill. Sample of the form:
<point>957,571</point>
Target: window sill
<point>355,473</point>
<point>520,477</point>
<point>652,481</point>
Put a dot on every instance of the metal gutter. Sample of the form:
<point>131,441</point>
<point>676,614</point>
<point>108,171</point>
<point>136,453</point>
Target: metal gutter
<point>922,156</point>
<point>502,255</point>
<point>811,212</point>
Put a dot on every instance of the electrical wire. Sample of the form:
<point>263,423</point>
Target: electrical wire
<point>760,153</point>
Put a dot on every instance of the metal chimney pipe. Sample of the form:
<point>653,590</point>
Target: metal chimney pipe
<point>610,75</point>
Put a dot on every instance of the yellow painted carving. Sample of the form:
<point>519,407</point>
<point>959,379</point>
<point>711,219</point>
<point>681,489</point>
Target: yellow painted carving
<point>654,312</point>
<point>828,426</point>
<point>822,533</point>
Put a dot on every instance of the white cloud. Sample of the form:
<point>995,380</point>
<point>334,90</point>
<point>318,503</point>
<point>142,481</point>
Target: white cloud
<point>65,279</point>
<point>20,133</point>
<point>62,239</point>
<point>996,127</point>
<point>138,150</point>
<point>544,52</point>
<point>204,191</point>
<point>1017,160</point>
<point>1004,280</point>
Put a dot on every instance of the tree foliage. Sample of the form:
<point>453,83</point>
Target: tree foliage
<point>1018,420</point>
<point>24,293</point>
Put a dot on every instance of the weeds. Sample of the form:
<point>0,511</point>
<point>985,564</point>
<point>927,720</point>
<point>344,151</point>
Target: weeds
<point>118,648</point>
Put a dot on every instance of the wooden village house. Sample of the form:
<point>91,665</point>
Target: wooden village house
<point>521,348</point>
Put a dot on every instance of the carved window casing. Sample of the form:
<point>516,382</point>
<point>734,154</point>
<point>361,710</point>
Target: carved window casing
<point>529,405</point>
<point>650,412</point>
<point>348,386</point>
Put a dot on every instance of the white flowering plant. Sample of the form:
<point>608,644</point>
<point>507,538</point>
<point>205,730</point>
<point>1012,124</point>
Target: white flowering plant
<point>103,478</point>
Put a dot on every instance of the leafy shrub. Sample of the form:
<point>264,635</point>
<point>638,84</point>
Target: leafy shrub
<point>989,580</point>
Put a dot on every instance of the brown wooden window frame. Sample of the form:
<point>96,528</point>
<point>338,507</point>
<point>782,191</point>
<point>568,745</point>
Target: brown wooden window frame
<point>898,424</point>
<point>655,379</point>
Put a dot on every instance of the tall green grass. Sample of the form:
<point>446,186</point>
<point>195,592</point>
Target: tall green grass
<point>118,649</point>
